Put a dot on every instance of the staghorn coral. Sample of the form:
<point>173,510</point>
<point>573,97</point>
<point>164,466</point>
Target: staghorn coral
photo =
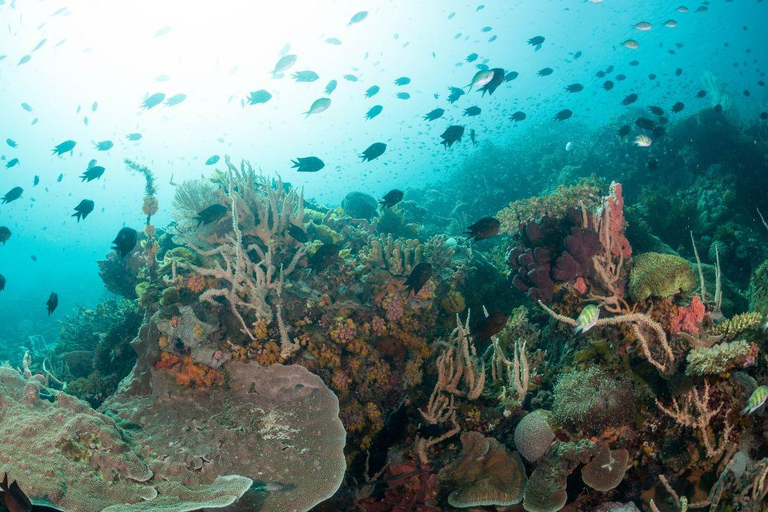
<point>399,257</point>
<point>660,275</point>
<point>737,325</point>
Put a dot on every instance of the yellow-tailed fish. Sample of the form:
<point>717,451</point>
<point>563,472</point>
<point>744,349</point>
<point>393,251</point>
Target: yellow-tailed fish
<point>587,318</point>
<point>756,400</point>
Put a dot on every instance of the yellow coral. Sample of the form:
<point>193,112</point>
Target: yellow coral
<point>453,303</point>
<point>733,327</point>
<point>260,329</point>
<point>660,275</point>
<point>150,205</point>
<point>195,283</point>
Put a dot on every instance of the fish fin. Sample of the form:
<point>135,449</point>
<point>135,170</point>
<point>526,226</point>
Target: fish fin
<point>746,410</point>
<point>577,329</point>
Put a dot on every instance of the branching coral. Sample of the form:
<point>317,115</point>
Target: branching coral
<point>399,257</point>
<point>248,284</point>
<point>695,412</point>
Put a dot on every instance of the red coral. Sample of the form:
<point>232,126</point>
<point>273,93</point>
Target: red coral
<point>687,318</point>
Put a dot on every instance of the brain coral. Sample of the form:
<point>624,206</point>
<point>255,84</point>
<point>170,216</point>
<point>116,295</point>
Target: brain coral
<point>533,435</point>
<point>592,400</point>
<point>660,275</point>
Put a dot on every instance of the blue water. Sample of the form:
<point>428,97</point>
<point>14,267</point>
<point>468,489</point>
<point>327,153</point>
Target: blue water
<point>216,53</point>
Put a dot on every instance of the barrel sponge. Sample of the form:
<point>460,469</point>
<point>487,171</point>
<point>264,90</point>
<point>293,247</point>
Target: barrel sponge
<point>485,474</point>
<point>533,435</point>
<point>660,275</point>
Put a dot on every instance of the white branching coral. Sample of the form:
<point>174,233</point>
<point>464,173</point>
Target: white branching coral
<point>252,276</point>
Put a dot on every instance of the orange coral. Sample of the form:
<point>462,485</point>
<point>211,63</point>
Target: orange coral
<point>189,373</point>
<point>196,283</point>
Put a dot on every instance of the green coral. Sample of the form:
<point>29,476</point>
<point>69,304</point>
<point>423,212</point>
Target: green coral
<point>719,359</point>
<point>591,400</point>
<point>758,289</point>
<point>660,275</point>
<point>325,234</point>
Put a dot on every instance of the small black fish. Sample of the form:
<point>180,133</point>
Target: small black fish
<point>600,74</point>
<point>496,81</point>
<point>518,116</point>
<point>324,256</point>
<point>629,99</point>
<point>608,85</point>
<point>657,111</point>
<point>61,177</point>
<point>472,137</point>
<point>434,114</point>
<point>653,164</point>
<point>298,233</point>
<point>536,41</point>
<point>763,115</point>
<point>574,88</point>
<point>490,326</point>
<point>53,302</point>
<point>211,214</point>
<point>563,115</point>
<point>83,209</point>
<point>12,195</point>
<point>702,93</point>
<point>545,72</point>
<point>645,124</point>
<point>93,173</point>
<point>2,282</point>
<point>472,111</point>
<point>33,257</point>
<point>307,164</point>
<point>634,63</point>
<point>621,78</point>
<point>125,241</point>
<point>609,69</point>
<point>391,198</point>
<point>652,76</point>
<point>452,134</point>
<point>5,234</point>
<point>678,72</point>
<point>418,277</point>
<point>373,151</point>
<point>484,228</point>
<point>36,181</point>
<point>456,93</point>
<point>678,107</point>
<point>14,498</point>
<point>624,130</point>
<point>511,76</point>
<point>718,108</point>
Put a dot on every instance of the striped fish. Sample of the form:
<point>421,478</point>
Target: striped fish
<point>756,400</point>
<point>587,318</point>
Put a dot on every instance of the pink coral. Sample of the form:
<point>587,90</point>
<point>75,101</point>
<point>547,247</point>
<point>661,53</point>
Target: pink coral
<point>614,202</point>
<point>688,318</point>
